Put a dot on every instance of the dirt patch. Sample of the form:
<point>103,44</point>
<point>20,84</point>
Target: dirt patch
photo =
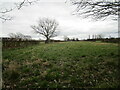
<point>107,44</point>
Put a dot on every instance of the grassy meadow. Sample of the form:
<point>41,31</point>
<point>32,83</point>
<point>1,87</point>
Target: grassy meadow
<point>61,65</point>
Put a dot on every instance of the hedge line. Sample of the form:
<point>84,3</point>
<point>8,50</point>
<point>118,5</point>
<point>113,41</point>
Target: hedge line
<point>14,44</point>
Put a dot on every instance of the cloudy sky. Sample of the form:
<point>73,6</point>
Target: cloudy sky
<point>69,25</point>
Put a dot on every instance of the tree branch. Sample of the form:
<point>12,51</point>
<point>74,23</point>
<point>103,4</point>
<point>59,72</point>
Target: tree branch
<point>18,6</point>
<point>97,9</point>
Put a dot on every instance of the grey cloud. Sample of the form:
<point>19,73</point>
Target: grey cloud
<point>69,25</point>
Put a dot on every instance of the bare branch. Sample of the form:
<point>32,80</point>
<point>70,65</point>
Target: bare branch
<point>5,18</point>
<point>6,11</point>
<point>18,6</point>
<point>98,9</point>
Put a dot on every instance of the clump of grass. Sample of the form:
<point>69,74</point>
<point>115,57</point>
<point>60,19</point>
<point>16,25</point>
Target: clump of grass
<point>11,74</point>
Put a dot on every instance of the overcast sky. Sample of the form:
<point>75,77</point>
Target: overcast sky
<point>69,25</point>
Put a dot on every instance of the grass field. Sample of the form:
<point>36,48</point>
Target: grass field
<point>62,65</point>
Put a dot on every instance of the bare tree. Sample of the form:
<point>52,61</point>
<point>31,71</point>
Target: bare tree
<point>97,9</point>
<point>12,35</point>
<point>66,38</point>
<point>47,28</point>
<point>4,11</point>
<point>19,36</point>
<point>100,36</point>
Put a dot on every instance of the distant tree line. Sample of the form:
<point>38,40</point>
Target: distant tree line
<point>100,37</point>
<point>70,39</point>
<point>18,40</point>
<point>19,37</point>
<point>95,37</point>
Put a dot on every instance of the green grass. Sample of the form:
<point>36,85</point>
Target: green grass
<point>65,64</point>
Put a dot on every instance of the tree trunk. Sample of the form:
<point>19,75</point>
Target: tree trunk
<point>47,41</point>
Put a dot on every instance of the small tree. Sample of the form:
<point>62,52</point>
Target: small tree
<point>12,35</point>
<point>66,38</point>
<point>47,28</point>
<point>77,39</point>
<point>100,36</point>
<point>73,39</point>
